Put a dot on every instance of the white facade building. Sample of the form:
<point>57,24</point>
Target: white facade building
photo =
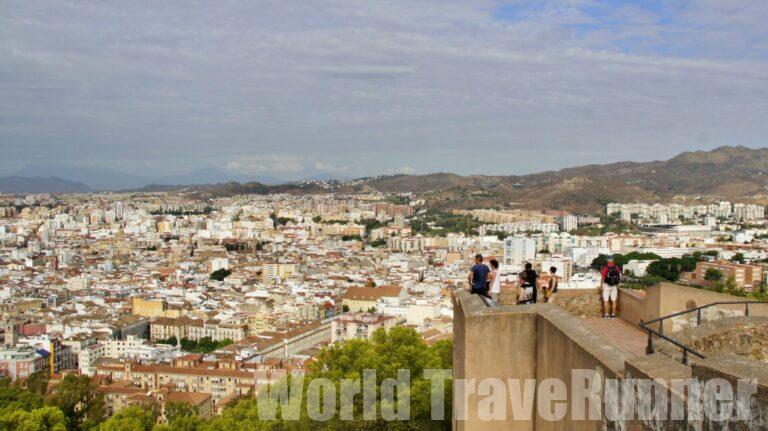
<point>519,250</point>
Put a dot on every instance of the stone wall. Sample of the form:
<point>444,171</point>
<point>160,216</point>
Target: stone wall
<point>524,342</point>
<point>667,298</point>
<point>545,341</point>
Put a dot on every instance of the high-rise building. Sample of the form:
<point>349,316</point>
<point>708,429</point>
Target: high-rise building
<point>518,250</point>
<point>569,223</point>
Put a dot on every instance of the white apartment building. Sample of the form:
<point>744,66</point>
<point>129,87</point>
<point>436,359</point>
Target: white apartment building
<point>563,264</point>
<point>637,268</point>
<point>413,311</point>
<point>218,263</point>
<point>359,326</point>
<point>569,223</point>
<point>519,250</point>
<point>132,348</point>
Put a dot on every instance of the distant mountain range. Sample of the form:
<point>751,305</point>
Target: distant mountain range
<point>726,172</point>
<point>105,179</point>
<point>16,185</point>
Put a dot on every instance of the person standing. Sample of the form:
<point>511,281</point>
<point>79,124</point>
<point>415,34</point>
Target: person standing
<point>524,289</point>
<point>479,276</point>
<point>551,293</point>
<point>532,278</point>
<point>495,280</point>
<point>610,277</point>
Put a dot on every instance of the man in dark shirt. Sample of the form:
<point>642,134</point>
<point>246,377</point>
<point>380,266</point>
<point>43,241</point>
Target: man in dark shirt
<point>532,278</point>
<point>478,276</point>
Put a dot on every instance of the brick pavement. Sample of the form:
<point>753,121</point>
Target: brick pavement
<point>625,336</point>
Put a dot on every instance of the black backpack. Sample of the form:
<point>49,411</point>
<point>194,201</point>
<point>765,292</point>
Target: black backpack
<point>613,277</point>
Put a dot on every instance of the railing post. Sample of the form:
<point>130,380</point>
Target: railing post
<point>649,347</point>
<point>698,317</point>
<point>661,326</point>
<point>685,357</point>
<point>746,309</point>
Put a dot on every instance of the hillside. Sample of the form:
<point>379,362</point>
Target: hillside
<point>726,172</point>
<point>18,184</point>
<point>723,173</point>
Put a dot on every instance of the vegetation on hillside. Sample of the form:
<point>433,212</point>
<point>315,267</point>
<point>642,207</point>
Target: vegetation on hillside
<point>441,224</point>
<point>76,405</point>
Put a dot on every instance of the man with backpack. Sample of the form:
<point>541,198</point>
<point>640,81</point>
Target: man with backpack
<point>610,277</point>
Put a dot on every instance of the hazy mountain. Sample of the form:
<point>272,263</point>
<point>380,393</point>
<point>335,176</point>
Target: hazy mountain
<point>16,184</point>
<point>95,178</point>
<point>726,172</point>
<point>213,176</point>
<point>105,179</point>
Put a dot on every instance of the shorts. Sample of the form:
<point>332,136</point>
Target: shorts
<point>525,294</point>
<point>610,292</point>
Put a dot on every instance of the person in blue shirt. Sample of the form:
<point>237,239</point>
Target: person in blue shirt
<point>479,276</point>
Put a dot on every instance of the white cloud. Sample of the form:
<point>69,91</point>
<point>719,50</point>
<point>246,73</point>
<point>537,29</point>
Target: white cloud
<point>445,85</point>
<point>330,168</point>
<point>265,164</point>
<point>407,170</point>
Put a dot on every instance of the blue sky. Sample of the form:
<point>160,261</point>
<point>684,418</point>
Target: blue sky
<point>346,88</point>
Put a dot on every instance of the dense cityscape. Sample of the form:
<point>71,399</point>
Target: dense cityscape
<point>168,298</point>
<point>391,215</point>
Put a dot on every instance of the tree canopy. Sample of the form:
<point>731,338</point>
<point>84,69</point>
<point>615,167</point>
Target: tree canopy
<point>75,404</point>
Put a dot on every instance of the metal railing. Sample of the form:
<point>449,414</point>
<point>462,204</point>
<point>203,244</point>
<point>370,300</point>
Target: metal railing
<point>685,349</point>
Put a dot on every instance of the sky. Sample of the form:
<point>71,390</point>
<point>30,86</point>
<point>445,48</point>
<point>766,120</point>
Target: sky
<point>352,88</point>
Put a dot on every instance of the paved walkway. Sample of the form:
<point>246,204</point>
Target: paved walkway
<point>627,337</point>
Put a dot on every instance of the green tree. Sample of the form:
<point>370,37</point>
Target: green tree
<point>172,341</point>
<point>713,274</point>
<point>667,269</point>
<point>14,397</point>
<point>687,263</point>
<point>282,221</point>
<point>370,224</point>
<point>385,353</point>
<point>738,257</point>
<point>133,418</point>
<point>37,382</point>
<point>220,274</point>
<point>381,242</point>
<point>43,419</point>
<point>599,262</point>
<point>79,400</point>
<point>184,423</point>
<point>174,411</point>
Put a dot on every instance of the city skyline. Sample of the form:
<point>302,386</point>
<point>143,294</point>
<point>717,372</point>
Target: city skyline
<point>343,90</point>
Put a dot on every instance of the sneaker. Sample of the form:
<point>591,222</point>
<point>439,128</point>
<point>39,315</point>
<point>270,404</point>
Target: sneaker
<point>604,316</point>
<point>613,316</point>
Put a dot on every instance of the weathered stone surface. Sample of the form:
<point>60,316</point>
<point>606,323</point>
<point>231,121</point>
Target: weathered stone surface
<point>688,321</point>
<point>746,337</point>
<point>583,305</point>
